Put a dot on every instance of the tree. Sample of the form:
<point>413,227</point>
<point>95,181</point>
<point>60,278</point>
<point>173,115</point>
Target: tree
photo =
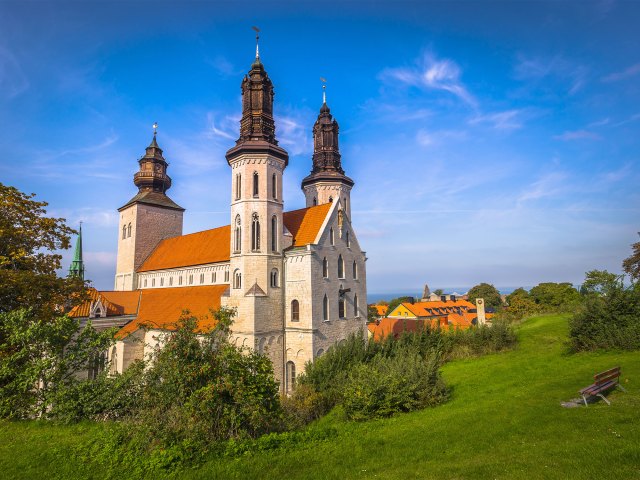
<point>555,296</point>
<point>40,357</point>
<point>28,265</point>
<point>372,314</point>
<point>600,282</point>
<point>438,291</point>
<point>631,265</point>
<point>487,291</point>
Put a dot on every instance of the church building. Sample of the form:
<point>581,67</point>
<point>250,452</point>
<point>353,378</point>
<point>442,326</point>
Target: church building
<point>297,279</point>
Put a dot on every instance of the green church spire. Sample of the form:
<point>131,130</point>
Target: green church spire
<point>76,269</point>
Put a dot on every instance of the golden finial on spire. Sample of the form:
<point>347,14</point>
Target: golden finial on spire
<point>257,30</point>
<point>155,128</point>
<point>324,89</point>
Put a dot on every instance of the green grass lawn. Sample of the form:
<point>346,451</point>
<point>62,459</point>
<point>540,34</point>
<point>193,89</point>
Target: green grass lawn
<point>504,421</point>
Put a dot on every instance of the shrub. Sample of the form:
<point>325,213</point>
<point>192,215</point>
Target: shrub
<point>388,385</point>
<point>608,321</point>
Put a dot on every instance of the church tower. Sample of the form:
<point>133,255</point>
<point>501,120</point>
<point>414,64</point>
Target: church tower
<point>327,181</point>
<point>146,219</point>
<point>76,269</point>
<point>256,264</point>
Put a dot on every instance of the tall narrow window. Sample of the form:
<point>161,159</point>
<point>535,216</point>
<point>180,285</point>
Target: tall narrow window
<point>124,232</point>
<point>162,281</point>
<point>341,304</point>
<point>180,280</point>
<point>315,201</point>
<point>274,234</point>
<point>355,270</point>
<point>275,278</point>
<point>237,279</point>
<point>255,184</point>
<point>340,267</point>
<point>170,281</point>
<point>153,282</point>
<point>255,233</point>
<point>355,306</point>
<point>237,243</point>
<point>213,277</point>
<point>238,185</point>
<point>291,376</point>
<point>226,275</point>
<point>325,308</point>
<point>274,187</point>
<point>295,311</point>
<point>325,268</point>
<point>129,230</point>
<point>331,235</point>
<point>346,239</point>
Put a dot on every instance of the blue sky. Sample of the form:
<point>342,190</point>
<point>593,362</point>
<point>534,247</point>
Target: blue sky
<point>489,141</point>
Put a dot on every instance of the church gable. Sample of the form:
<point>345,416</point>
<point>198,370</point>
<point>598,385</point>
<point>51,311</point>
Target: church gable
<point>306,223</point>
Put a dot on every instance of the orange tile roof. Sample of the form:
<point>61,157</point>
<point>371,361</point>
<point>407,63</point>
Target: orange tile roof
<point>213,246</point>
<point>304,224</point>
<point>381,310</point>
<point>209,246</point>
<point>161,308</point>
<point>116,303</point>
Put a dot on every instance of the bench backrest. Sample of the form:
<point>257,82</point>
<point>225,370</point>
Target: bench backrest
<point>606,376</point>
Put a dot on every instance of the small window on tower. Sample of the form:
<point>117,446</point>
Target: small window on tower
<point>274,187</point>
<point>295,311</point>
<point>129,230</point>
<point>315,201</point>
<point>255,184</point>
<point>124,232</point>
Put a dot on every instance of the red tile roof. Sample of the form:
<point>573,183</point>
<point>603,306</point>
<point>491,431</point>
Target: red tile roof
<point>304,224</point>
<point>116,303</point>
<point>213,246</point>
<point>161,308</point>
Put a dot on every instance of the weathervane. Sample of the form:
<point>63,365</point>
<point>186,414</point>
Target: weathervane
<point>324,89</point>
<point>155,128</point>
<point>257,30</point>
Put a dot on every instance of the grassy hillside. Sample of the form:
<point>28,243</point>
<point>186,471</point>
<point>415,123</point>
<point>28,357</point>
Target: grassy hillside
<point>504,421</point>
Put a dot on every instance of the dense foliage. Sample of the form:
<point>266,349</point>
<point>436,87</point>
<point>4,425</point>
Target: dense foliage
<point>39,359</point>
<point>487,291</point>
<point>556,297</point>
<point>358,373</point>
<point>610,315</point>
<point>631,264</point>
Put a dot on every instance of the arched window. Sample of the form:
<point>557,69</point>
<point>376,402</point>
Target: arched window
<point>237,279</point>
<point>340,267</point>
<point>315,201</point>
<point>295,311</point>
<point>274,187</point>
<point>238,186</point>
<point>330,199</point>
<point>347,239</point>
<point>255,184</point>
<point>274,234</point>
<point>274,278</point>
<point>341,305</point>
<point>170,281</point>
<point>162,281</point>
<point>325,308</point>
<point>191,279</point>
<point>355,270</point>
<point>145,282</point>
<point>291,376</point>
<point>325,268</point>
<point>226,275</point>
<point>180,280</point>
<point>201,278</point>
<point>129,230</point>
<point>213,277</point>
<point>124,232</point>
<point>237,243</point>
<point>355,306</point>
<point>331,235</point>
<point>255,233</point>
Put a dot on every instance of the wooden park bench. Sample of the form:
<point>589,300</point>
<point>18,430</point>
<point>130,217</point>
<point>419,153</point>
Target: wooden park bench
<point>603,382</point>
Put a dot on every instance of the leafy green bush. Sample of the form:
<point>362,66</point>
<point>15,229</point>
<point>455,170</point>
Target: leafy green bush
<point>608,319</point>
<point>388,385</point>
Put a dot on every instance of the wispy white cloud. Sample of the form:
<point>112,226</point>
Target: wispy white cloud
<point>572,135</point>
<point>431,73</point>
<point>629,72</point>
<point>431,138</point>
<point>599,123</point>
<point>223,66</point>
<point>294,134</point>
<point>226,127</point>
<point>537,69</point>
<point>506,120</point>
<point>548,185</point>
<point>632,118</point>
<point>13,80</point>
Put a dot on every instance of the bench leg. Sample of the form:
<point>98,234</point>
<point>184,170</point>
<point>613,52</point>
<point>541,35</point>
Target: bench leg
<point>585,400</point>
<point>604,398</point>
<point>622,388</point>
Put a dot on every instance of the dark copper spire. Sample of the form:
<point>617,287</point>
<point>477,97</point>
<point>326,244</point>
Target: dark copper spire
<point>257,127</point>
<point>152,176</point>
<point>327,162</point>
